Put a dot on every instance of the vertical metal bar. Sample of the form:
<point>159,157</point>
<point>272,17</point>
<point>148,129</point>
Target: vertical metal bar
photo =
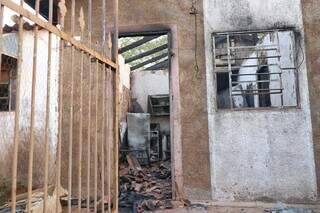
<point>230,72</point>
<point>108,139</point>
<point>10,89</point>
<point>17,118</point>
<point>1,38</point>
<point>103,136</point>
<point>89,139</point>
<point>81,22</point>
<point>116,106</point>
<point>70,153</point>
<point>89,120</point>
<point>102,147</point>
<point>33,110</point>
<point>96,138</point>
<point>47,130</point>
<point>62,7</point>
<point>279,62</point>
<point>296,76</point>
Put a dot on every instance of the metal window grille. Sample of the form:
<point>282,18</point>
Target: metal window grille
<point>255,69</point>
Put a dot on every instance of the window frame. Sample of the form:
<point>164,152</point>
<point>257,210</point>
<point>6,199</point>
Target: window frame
<point>294,70</point>
<point>12,77</point>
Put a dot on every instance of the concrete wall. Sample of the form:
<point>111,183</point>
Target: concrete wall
<point>259,155</point>
<point>7,118</point>
<point>146,83</point>
<point>311,18</point>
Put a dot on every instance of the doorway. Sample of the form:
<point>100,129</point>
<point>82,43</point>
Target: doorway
<point>145,165</point>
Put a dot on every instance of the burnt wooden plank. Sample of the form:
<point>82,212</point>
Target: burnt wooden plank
<point>149,61</point>
<point>137,43</point>
<point>147,53</point>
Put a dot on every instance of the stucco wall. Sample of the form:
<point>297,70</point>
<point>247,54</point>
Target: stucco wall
<point>7,118</point>
<point>191,108</point>
<point>193,111</point>
<point>192,115</point>
<point>259,155</point>
<point>311,17</point>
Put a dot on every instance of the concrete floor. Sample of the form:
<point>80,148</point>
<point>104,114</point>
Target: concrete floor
<point>241,208</point>
<point>213,209</point>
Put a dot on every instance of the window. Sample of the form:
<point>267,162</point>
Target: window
<point>255,69</point>
<point>8,83</point>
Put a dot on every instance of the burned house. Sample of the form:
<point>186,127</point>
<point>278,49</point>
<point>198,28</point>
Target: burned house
<point>224,113</point>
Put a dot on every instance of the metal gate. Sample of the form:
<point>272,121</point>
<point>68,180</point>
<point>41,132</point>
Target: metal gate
<point>84,152</point>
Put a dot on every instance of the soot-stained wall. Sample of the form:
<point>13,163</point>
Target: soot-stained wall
<point>262,155</point>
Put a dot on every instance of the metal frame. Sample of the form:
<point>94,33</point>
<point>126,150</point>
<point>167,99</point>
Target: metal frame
<point>105,75</point>
<point>229,68</point>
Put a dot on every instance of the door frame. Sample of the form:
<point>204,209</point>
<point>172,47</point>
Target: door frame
<point>174,86</point>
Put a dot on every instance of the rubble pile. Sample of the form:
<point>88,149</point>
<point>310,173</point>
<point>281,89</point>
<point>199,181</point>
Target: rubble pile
<point>145,188</point>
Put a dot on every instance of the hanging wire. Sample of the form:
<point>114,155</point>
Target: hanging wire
<point>194,12</point>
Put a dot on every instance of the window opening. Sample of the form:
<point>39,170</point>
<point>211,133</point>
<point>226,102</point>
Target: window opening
<point>255,69</point>
<point>8,83</point>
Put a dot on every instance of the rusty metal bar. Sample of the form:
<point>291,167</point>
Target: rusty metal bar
<point>279,61</point>
<point>104,46</point>
<point>89,139</point>
<point>249,58</point>
<point>230,72</point>
<point>90,94</point>
<point>17,118</point>
<point>108,140</point>
<point>96,138</point>
<point>271,73</point>
<point>103,137</point>
<point>116,104</point>
<point>256,81</point>
<point>257,93</point>
<point>82,25</point>
<point>238,90</point>
<point>63,35</point>
<point>70,152</point>
<point>296,70</point>
<point>47,130</point>
<point>62,8</point>
<point>248,66</point>
<point>33,110</point>
<point>262,47</point>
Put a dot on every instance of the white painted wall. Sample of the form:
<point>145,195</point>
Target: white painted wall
<point>144,83</point>
<point>259,155</point>
<point>7,118</point>
<point>124,74</point>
